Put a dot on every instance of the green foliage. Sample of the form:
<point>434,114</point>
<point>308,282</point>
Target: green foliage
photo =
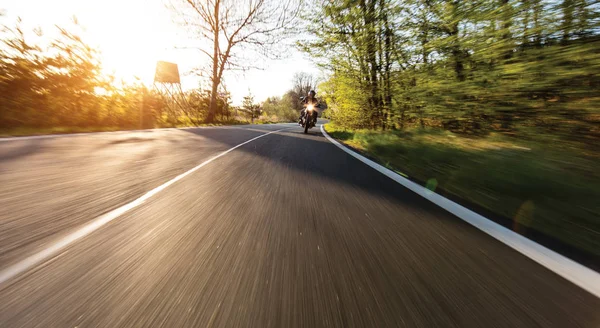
<point>280,108</point>
<point>251,108</point>
<point>349,105</point>
<point>471,67</point>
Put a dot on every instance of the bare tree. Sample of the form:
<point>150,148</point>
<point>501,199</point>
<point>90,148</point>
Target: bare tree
<point>237,31</point>
<point>302,83</point>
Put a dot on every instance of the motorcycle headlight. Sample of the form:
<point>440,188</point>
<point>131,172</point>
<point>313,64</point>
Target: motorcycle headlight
<point>310,107</point>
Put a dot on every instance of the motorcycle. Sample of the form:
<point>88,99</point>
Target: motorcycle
<point>308,121</point>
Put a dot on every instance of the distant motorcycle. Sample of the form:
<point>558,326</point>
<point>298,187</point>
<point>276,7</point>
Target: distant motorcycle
<point>308,121</point>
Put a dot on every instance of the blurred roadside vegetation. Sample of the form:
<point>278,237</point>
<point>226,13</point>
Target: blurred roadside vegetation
<point>59,87</point>
<point>496,102</point>
<point>553,190</point>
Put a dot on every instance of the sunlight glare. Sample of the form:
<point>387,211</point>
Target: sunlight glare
<point>135,37</point>
<point>132,35</point>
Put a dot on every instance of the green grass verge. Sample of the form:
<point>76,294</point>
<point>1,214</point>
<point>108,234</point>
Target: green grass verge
<point>545,184</point>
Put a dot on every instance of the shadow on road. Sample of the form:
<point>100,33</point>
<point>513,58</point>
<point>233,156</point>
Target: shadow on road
<point>314,155</point>
<point>21,149</point>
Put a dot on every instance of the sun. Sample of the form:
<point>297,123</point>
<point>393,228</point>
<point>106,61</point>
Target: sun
<point>131,35</point>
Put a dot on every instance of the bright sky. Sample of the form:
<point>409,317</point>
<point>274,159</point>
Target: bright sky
<point>133,34</point>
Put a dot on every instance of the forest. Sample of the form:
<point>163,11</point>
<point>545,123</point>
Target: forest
<point>466,66</point>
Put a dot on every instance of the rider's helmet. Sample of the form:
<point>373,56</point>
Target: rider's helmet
<point>312,93</point>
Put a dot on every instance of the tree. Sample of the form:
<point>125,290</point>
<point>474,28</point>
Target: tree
<point>252,109</point>
<point>279,108</point>
<point>234,28</point>
<point>461,65</point>
<point>302,83</point>
<point>60,84</point>
<point>21,83</point>
<point>355,40</point>
<point>67,71</point>
<point>74,74</point>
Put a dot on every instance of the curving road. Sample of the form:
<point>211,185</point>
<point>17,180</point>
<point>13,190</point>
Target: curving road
<point>284,231</point>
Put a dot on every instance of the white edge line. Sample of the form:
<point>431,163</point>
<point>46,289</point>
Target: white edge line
<point>35,259</point>
<point>574,272</point>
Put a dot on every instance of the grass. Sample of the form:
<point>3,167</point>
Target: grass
<point>545,184</point>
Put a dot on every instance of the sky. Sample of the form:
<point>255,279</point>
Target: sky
<point>133,35</point>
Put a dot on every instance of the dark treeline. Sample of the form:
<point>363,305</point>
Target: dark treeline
<point>469,66</point>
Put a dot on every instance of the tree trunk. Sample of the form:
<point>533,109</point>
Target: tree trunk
<point>455,50</point>
<point>379,33</point>
<point>506,25</point>
<point>424,36</point>
<point>387,94</point>
<point>582,14</point>
<point>526,10</point>
<point>537,9</point>
<point>457,55</point>
<point>212,108</point>
<point>567,20</point>
<point>368,10</point>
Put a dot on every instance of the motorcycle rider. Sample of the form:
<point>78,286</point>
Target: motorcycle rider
<point>310,99</point>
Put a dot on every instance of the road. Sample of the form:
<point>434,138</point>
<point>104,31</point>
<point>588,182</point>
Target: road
<point>284,231</point>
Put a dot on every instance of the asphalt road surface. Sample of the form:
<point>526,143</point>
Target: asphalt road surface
<point>284,231</point>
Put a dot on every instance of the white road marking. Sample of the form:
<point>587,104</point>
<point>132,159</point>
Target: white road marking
<point>574,272</point>
<point>53,249</point>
